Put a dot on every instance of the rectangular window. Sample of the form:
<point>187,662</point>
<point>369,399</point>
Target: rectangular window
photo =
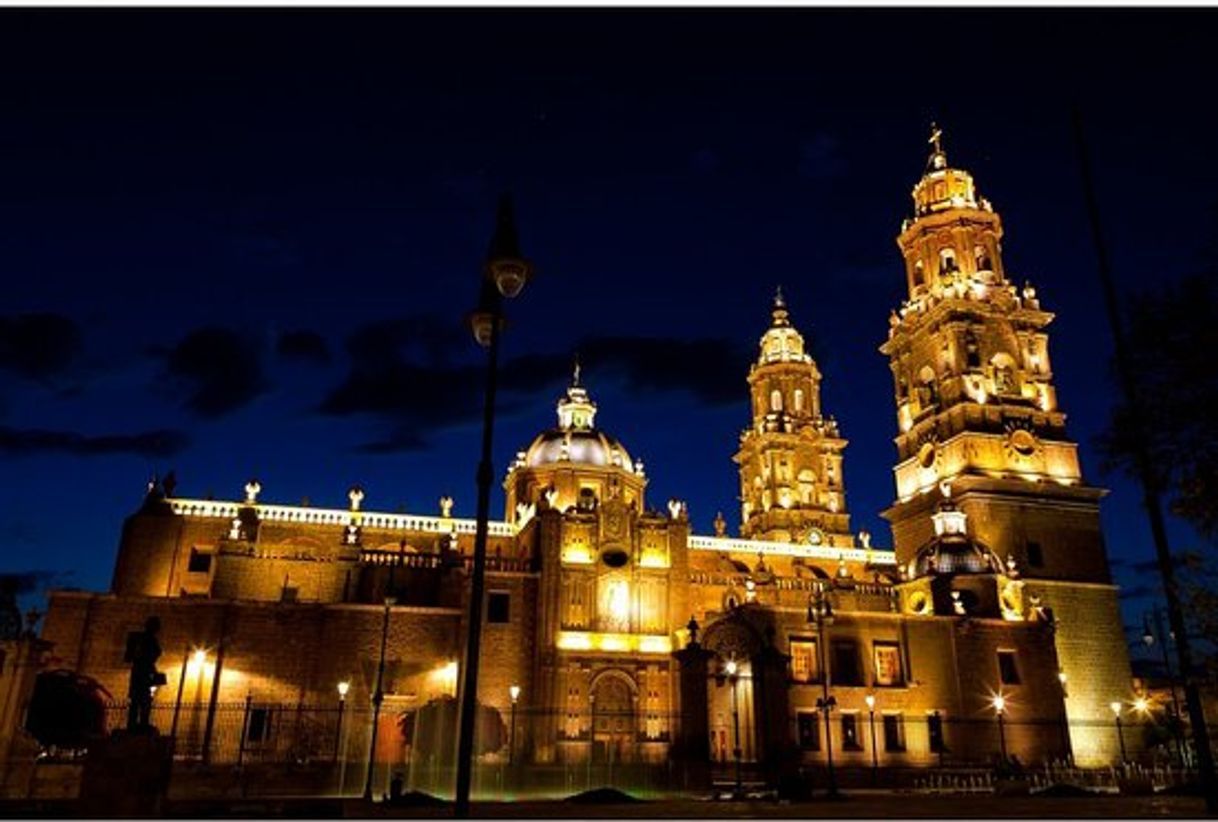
<point>259,727</point>
<point>498,606</point>
<point>1008,671</point>
<point>1036,557</point>
<point>845,670</point>
<point>808,724</point>
<point>199,563</point>
<point>887,656</point>
<point>850,733</point>
<point>894,733</point>
<point>804,667</point>
<point>934,730</point>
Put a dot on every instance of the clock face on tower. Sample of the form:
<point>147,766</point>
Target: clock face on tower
<point>815,536</point>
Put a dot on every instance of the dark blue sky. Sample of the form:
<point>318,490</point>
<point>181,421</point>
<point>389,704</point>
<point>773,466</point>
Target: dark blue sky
<point>248,238</point>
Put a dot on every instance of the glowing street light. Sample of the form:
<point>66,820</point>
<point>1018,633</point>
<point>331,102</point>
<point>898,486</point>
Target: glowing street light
<point>875,754</point>
<point>514,693</point>
<point>733,677</point>
<point>1116,713</point>
<point>1000,709</point>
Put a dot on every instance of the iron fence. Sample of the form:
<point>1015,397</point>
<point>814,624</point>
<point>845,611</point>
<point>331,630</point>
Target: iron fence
<point>255,748</point>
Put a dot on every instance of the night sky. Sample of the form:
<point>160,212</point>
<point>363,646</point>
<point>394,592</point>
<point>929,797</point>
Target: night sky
<point>240,243</point>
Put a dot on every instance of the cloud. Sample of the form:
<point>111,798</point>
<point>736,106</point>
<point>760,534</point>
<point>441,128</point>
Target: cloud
<point>219,369</point>
<point>31,582</point>
<point>1138,592</point>
<point>303,346</point>
<point>38,346</point>
<point>160,443</point>
<point>401,373</point>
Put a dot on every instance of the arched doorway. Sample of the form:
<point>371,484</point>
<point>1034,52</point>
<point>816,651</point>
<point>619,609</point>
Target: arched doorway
<point>730,699</point>
<point>615,726</point>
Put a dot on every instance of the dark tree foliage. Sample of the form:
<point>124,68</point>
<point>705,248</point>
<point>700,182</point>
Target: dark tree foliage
<point>67,710</point>
<point>1173,340</point>
<point>433,729</point>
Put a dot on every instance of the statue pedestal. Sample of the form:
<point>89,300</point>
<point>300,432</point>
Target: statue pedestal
<point>127,774</point>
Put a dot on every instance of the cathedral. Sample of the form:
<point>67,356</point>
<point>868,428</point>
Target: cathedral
<point>614,635</point>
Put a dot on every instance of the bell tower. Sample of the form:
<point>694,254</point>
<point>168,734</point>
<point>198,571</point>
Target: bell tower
<point>790,458</point>
<point>977,407</point>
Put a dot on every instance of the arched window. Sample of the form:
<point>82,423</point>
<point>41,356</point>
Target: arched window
<point>775,400</point>
<point>1004,374</point>
<point>918,273</point>
<point>983,259</point>
<point>807,486</point>
<point>799,400</point>
<point>929,388</point>
<point>947,261</point>
<point>972,352</point>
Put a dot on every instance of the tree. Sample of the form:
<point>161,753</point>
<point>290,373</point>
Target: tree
<point>1173,342</point>
<point>67,710</point>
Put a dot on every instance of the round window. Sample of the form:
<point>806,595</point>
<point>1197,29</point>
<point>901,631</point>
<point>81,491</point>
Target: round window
<point>918,602</point>
<point>615,557</point>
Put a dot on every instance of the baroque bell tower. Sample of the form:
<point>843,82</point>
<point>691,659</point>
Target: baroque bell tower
<point>790,458</point>
<point>977,409</point>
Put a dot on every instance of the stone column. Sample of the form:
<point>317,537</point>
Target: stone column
<point>771,715</point>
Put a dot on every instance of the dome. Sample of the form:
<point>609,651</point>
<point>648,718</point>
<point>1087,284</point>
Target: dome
<point>582,446</point>
<point>576,438</point>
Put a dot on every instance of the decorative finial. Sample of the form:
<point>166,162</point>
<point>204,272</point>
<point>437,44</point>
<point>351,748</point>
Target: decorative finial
<point>446,506</point>
<point>575,374</point>
<point>252,489</point>
<point>936,138</point>
<point>779,302</point>
<point>945,488</point>
<point>356,496</point>
<point>720,525</point>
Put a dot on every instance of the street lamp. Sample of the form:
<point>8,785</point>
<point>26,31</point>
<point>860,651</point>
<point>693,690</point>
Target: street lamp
<point>378,696</point>
<point>820,613</point>
<point>732,671</point>
<point>875,755</point>
<point>340,752</point>
<point>1148,638</point>
<point>1000,708</point>
<point>1116,713</point>
<point>514,693</point>
<point>504,276</point>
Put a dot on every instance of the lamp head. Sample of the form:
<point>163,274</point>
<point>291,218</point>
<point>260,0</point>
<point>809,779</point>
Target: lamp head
<point>1141,705</point>
<point>1000,704</point>
<point>870,700</point>
<point>514,693</point>
<point>343,687</point>
<point>731,667</point>
<point>1116,708</point>
<point>199,657</point>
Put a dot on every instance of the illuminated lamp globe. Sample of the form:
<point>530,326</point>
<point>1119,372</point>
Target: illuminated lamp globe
<point>510,276</point>
<point>1000,703</point>
<point>343,687</point>
<point>730,667</point>
<point>870,700</point>
<point>1116,708</point>
<point>1141,705</point>
<point>514,693</point>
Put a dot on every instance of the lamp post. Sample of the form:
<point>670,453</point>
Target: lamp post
<point>1000,709</point>
<point>514,693</point>
<point>340,750</point>
<point>875,754</point>
<point>177,703</point>
<point>820,613</point>
<point>732,671</point>
<point>1148,638</point>
<point>504,275</point>
<point>378,696</point>
<point>1116,713</point>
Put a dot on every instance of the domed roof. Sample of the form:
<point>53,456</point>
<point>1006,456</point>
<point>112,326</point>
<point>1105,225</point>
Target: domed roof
<point>586,447</point>
<point>576,439</point>
<point>952,550</point>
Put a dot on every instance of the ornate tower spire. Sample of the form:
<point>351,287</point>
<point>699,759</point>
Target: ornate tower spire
<point>791,456</point>
<point>576,410</point>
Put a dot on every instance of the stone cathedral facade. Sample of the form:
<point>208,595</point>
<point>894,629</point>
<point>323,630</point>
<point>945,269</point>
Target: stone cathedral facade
<point>617,623</point>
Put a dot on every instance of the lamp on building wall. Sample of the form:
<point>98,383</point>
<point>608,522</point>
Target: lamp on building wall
<point>514,693</point>
<point>820,613</point>
<point>999,703</point>
<point>340,753</point>
<point>504,276</point>
<point>1116,713</point>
